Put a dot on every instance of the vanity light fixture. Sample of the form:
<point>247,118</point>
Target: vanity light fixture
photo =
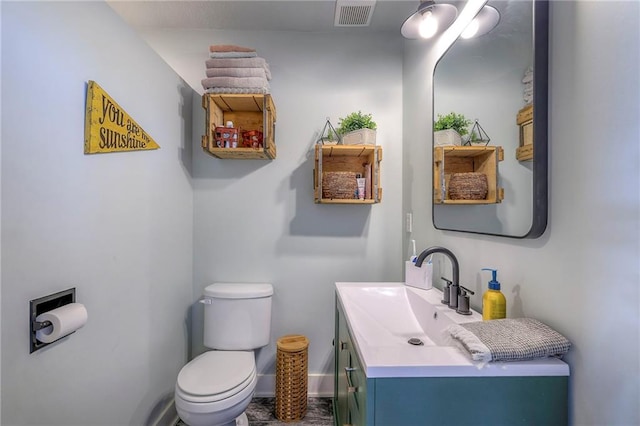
<point>428,20</point>
<point>486,20</point>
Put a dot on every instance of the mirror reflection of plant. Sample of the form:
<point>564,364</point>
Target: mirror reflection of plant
<point>330,136</point>
<point>355,121</point>
<point>475,137</point>
<point>457,122</point>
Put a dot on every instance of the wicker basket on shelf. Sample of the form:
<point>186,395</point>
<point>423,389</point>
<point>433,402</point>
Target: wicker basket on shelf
<point>340,185</point>
<point>468,186</point>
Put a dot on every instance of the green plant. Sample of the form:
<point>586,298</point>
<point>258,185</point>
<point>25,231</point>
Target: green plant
<point>457,122</point>
<point>355,121</point>
<point>330,136</point>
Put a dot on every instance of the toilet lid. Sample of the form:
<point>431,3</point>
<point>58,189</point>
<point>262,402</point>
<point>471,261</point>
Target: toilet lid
<point>216,372</point>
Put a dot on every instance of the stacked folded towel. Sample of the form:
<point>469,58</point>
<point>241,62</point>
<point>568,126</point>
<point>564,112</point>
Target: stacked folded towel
<point>235,69</point>
<point>528,85</point>
<point>515,339</point>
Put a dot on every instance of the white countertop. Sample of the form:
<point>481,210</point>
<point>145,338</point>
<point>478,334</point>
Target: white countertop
<point>382,316</point>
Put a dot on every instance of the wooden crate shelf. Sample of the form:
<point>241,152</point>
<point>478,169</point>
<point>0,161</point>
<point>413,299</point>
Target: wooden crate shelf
<point>247,112</point>
<point>348,158</point>
<point>463,159</point>
<point>524,119</point>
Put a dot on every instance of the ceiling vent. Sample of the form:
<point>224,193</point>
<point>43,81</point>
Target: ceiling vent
<point>353,13</point>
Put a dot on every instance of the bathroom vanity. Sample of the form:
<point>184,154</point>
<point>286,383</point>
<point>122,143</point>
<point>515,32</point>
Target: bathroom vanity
<point>381,379</point>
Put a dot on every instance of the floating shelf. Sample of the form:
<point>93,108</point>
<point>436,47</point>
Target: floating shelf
<point>247,112</point>
<point>464,159</point>
<point>348,158</point>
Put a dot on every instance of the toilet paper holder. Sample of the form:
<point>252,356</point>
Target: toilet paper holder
<point>42,305</point>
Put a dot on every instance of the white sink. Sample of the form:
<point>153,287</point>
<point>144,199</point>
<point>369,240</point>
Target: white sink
<point>382,317</point>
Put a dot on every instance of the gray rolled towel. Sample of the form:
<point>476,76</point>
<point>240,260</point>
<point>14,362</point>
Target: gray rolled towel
<point>236,63</point>
<point>233,54</point>
<point>512,339</point>
<point>236,72</point>
<point>239,63</point>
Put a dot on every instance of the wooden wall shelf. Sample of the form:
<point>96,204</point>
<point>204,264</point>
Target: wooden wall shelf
<point>348,158</point>
<point>463,159</point>
<point>524,119</point>
<point>247,112</point>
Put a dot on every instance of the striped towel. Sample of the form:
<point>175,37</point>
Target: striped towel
<point>514,339</point>
<point>235,90</point>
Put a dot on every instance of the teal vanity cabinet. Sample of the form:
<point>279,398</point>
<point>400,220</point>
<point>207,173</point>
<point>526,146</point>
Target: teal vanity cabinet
<point>421,401</point>
<point>352,394</point>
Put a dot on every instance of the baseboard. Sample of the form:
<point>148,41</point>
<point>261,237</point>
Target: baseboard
<point>168,416</point>
<point>318,385</point>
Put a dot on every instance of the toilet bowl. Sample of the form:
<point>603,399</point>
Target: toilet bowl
<point>215,388</point>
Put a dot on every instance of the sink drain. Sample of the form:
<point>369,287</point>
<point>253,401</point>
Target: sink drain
<point>415,341</point>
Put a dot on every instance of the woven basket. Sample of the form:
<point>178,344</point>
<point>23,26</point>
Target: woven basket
<point>468,186</point>
<point>291,378</point>
<point>340,185</point>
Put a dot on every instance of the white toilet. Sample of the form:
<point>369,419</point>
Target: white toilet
<point>215,388</point>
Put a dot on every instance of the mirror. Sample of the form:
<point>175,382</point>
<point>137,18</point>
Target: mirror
<point>484,78</point>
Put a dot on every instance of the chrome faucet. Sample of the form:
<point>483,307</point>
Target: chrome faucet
<point>451,292</point>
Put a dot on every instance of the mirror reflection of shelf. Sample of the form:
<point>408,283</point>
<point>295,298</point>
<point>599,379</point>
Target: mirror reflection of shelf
<point>465,159</point>
<point>524,119</point>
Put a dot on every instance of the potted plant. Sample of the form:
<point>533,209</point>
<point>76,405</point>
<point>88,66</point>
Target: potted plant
<point>357,129</point>
<point>449,129</point>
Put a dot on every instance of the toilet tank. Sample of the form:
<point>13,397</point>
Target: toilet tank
<point>237,316</point>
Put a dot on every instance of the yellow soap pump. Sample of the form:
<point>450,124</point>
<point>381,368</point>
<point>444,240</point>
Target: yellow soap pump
<point>494,304</point>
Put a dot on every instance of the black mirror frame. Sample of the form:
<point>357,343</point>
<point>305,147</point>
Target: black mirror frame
<point>540,127</point>
<point>541,119</point>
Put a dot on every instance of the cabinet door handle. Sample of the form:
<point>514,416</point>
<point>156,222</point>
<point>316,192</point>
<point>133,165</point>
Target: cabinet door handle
<point>350,387</point>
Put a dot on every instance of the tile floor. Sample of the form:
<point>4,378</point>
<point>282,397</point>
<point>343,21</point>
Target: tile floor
<point>261,413</point>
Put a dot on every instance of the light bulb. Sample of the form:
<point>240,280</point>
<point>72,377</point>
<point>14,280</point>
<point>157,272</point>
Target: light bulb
<point>471,29</point>
<point>428,26</point>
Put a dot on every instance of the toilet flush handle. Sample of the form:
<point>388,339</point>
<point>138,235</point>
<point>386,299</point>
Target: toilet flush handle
<point>205,300</point>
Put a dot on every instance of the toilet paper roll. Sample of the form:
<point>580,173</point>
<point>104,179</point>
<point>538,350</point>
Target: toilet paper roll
<point>64,320</point>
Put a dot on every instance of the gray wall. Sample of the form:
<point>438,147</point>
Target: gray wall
<point>118,227</point>
<point>256,220</point>
<point>582,276</point>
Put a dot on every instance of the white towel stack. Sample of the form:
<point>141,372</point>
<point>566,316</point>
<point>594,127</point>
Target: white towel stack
<point>528,86</point>
<point>235,69</point>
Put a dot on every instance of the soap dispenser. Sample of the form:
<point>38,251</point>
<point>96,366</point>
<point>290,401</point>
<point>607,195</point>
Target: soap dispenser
<point>494,304</point>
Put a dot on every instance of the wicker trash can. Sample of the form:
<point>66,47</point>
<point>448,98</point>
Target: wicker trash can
<point>291,378</point>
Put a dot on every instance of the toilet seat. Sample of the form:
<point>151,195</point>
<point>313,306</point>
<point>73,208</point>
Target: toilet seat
<point>216,375</point>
